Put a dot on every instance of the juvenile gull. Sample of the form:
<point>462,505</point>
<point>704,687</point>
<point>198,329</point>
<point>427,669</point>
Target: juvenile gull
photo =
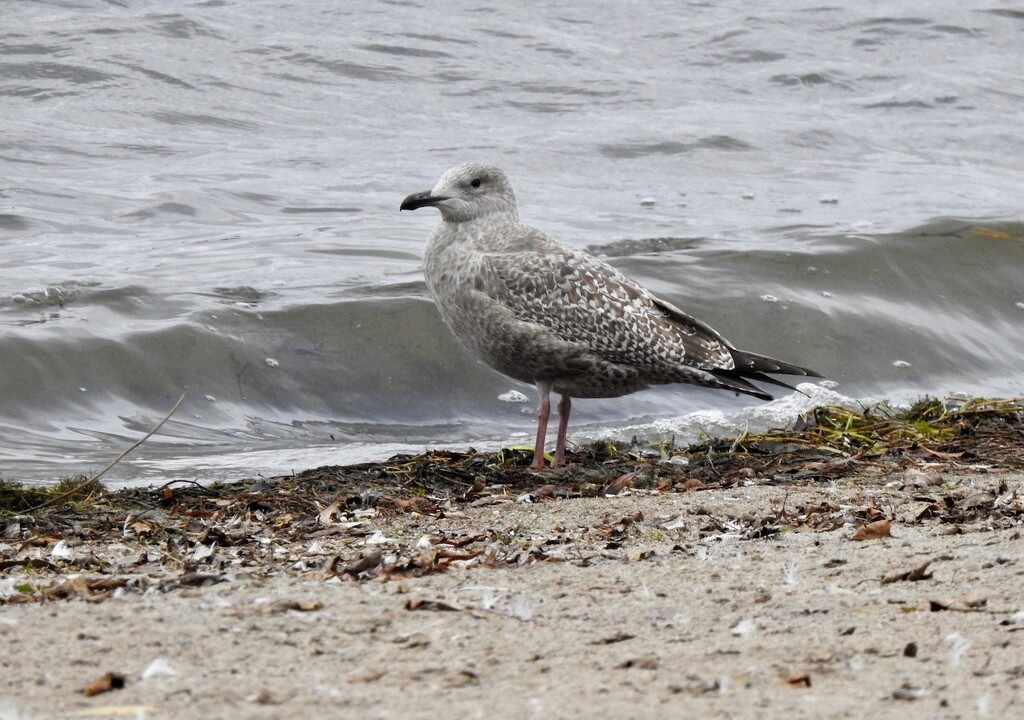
<point>555,316</point>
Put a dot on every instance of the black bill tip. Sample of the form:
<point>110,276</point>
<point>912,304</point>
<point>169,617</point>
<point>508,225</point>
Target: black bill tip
<point>421,199</point>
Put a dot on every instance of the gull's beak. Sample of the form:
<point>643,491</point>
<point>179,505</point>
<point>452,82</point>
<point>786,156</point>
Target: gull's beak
<point>421,199</point>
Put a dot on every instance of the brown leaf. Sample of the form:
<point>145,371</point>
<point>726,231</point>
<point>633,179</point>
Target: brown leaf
<point>978,499</point>
<point>104,683</point>
<point>966,603</point>
<point>612,639</point>
<point>421,604</point>
<point>918,573</point>
<point>644,663</point>
<point>990,233</point>
<point>31,563</point>
<point>460,541</point>
<point>921,478</point>
<point>942,455</point>
<point>327,514</point>
<point>91,589</point>
<point>141,527</point>
<point>621,483</point>
<point>873,531</point>
<point>449,555</point>
<point>479,483</point>
<point>803,680</point>
<point>195,579</point>
<point>368,677</point>
<point>628,520</point>
<point>281,606</point>
<point>463,678</point>
<point>368,562</point>
<point>692,485</point>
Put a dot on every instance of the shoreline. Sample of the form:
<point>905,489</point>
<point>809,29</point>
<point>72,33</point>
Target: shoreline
<point>763,575</point>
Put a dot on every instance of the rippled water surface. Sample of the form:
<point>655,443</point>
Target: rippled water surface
<point>205,200</point>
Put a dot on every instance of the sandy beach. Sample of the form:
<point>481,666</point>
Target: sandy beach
<point>747,601</point>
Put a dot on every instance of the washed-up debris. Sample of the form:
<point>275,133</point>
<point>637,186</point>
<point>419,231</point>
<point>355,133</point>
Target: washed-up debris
<point>641,663</point>
<point>612,639</point>
<point>801,680</point>
<point>966,603</point>
<point>280,606</point>
<point>104,683</point>
<point>264,697</point>
<point>421,604</point>
<point>873,531</point>
<point>341,523</point>
<point>159,667</point>
<point>364,564</point>
<point>909,693</point>
<point>621,483</point>
<point>958,647</point>
<point>94,589</point>
<point>367,677</point>
<point>914,575</point>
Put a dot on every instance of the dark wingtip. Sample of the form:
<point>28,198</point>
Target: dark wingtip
<point>747,363</point>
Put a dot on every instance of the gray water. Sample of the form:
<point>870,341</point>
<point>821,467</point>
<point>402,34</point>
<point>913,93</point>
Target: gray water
<point>205,200</point>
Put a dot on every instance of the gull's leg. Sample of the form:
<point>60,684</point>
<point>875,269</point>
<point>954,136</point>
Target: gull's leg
<point>543,413</point>
<point>564,407</point>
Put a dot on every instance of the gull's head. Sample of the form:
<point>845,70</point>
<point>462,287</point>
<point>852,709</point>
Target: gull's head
<point>467,192</point>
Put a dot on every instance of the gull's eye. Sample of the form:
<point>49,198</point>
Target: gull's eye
<point>475,182</point>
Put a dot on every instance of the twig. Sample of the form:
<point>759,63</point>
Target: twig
<point>116,460</point>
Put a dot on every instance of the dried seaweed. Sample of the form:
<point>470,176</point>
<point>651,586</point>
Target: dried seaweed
<point>332,522</point>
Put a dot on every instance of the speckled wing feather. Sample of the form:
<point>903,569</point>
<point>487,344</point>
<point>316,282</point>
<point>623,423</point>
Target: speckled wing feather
<point>586,302</point>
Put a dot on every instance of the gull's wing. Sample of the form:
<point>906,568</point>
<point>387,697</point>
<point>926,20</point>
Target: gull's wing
<point>590,304</point>
<point>605,314</point>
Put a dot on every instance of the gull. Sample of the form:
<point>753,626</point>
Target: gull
<point>549,314</point>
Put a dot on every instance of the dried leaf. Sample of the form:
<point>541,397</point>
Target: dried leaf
<point>367,562</point>
<point>92,589</point>
<point>196,579</point>
<point>421,604</point>
<point>479,483</point>
<point>368,677</point>
<point>976,500</point>
<point>104,683</point>
<point>31,563</point>
<point>644,663</point>
<point>990,233</point>
<point>621,483</point>
<point>803,680</point>
<point>966,603</point>
<point>921,478</point>
<point>141,527</point>
<point>918,573</point>
<point>460,541</point>
<point>908,692</point>
<point>942,455</point>
<point>280,606</point>
<point>612,639</point>
<point>873,531</point>
<point>327,514</point>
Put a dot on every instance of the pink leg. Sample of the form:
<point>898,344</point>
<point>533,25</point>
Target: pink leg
<point>543,413</point>
<point>564,407</point>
